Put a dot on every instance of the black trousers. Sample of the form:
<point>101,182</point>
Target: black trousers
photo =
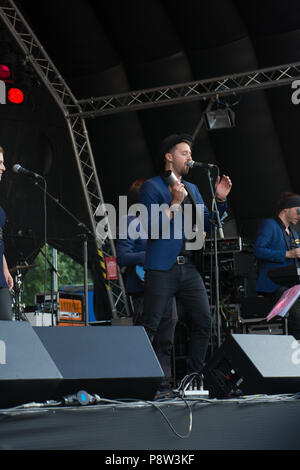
<point>185,283</point>
<point>5,304</point>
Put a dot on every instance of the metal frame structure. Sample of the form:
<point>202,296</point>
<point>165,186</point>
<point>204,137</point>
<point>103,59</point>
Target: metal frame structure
<point>191,91</point>
<point>50,76</point>
<point>75,112</point>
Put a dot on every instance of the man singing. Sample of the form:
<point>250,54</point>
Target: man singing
<point>170,268</point>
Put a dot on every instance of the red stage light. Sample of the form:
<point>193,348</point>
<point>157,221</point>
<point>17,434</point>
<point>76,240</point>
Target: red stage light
<point>15,96</point>
<point>4,72</point>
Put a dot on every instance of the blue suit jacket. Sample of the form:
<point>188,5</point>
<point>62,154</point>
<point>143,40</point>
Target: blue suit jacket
<point>130,253</point>
<point>161,253</point>
<point>270,248</point>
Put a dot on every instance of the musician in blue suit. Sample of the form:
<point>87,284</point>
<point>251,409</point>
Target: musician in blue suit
<point>170,257</point>
<point>131,253</point>
<point>277,246</point>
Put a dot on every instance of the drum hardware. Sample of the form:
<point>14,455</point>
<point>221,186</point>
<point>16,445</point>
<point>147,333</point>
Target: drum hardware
<point>22,267</point>
<point>18,306</point>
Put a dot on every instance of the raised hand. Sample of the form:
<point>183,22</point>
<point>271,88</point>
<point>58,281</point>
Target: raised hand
<point>223,187</point>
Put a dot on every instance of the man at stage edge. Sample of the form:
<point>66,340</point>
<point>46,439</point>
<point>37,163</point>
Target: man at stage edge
<point>6,280</point>
<point>170,268</point>
<point>277,246</point>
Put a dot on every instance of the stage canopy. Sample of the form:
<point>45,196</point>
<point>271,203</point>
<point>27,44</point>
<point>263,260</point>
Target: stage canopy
<point>116,47</point>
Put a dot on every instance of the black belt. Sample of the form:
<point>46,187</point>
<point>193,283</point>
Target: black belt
<point>181,259</point>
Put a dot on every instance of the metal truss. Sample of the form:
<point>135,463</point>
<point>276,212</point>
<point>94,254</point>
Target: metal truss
<point>50,76</point>
<point>192,91</point>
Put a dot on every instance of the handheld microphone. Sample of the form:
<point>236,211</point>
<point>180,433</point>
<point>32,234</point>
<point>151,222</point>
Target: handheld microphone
<point>171,179</point>
<point>192,164</point>
<point>22,171</point>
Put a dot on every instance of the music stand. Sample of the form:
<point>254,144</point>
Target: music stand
<point>284,304</point>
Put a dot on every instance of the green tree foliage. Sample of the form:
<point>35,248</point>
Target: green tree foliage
<point>70,273</point>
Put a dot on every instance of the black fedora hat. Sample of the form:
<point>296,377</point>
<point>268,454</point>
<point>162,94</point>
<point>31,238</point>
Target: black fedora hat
<point>173,140</point>
<point>169,142</point>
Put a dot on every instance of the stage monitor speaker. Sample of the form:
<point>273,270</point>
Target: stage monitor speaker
<point>248,364</point>
<point>113,362</point>
<point>27,372</point>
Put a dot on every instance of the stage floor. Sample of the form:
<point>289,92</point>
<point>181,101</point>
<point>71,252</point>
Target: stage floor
<point>249,423</point>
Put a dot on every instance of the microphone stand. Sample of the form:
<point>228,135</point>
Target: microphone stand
<point>85,251</point>
<point>217,226</point>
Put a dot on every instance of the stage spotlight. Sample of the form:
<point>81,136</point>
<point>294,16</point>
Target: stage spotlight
<point>219,119</point>
<point>15,96</point>
<point>5,72</point>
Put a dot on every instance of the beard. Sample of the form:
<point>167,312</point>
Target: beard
<point>185,171</point>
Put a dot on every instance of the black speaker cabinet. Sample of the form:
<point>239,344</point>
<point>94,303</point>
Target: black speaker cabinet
<point>27,372</point>
<point>248,364</point>
<point>111,361</point>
